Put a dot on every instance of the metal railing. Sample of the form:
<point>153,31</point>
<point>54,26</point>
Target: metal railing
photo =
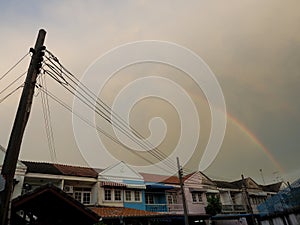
<point>234,209</point>
<point>175,207</point>
<point>157,207</point>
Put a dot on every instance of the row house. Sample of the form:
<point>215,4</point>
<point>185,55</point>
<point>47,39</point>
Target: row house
<point>233,195</point>
<point>19,175</point>
<point>121,186</point>
<point>197,188</point>
<point>79,182</point>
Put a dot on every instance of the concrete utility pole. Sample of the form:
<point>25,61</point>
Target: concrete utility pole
<point>185,209</point>
<point>13,149</point>
<point>247,198</point>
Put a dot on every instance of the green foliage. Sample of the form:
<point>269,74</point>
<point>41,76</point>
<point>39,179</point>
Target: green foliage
<point>214,205</point>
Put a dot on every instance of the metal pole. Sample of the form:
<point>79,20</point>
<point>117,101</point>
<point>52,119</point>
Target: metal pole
<point>13,149</point>
<point>185,209</point>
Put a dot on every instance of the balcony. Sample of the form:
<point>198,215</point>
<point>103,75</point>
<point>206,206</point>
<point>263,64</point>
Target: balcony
<point>156,207</point>
<point>234,209</point>
<point>175,207</point>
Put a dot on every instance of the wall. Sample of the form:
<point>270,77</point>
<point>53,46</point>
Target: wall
<point>136,205</point>
<point>194,208</point>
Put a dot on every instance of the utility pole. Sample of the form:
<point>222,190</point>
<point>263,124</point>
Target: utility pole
<point>247,198</point>
<point>185,210</point>
<point>13,149</point>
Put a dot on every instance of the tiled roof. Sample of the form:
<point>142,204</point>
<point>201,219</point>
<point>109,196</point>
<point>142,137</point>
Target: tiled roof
<point>111,212</point>
<point>272,187</point>
<point>41,167</point>
<point>153,177</point>
<point>172,180</point>
<point>225,184</point>
<point>59,169</point>
<point>76,171</point>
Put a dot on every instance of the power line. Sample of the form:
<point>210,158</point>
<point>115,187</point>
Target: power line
<point>14,66</point>
<point>63,104</point>
<point>9,94</point>
<point>60,70</point>
<point>47,120</point>
<point>8,86</point>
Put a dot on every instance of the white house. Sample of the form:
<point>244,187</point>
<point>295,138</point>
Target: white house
<point>19,174</point>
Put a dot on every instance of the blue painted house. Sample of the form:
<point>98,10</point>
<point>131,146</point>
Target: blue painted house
<point>155,197</point>
<point>121,186</point>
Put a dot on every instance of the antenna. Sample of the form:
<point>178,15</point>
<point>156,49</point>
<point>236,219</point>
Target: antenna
<point>262,176</point>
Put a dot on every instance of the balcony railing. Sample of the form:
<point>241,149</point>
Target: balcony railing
<point>156,207</point>
<point>175,207</point>
<point>233,209</point>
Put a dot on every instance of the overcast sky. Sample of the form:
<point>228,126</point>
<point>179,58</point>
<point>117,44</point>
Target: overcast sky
<point>252,47</point>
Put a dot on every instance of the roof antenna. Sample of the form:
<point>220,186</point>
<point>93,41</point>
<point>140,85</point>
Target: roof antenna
<point>262,176</point>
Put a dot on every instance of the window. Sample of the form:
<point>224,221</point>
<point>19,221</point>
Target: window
<point>137,196</point>
<point>232,195</point>
<point>149,199</point>
<point>113,195</point>
<point>83,195</point>
<point>107,195</point>
<point>118,195</point>
<point>86,198</point>
<point>128,196</point>
<point>172,198</point>
<point>77,196</point>
<point>197,197</point>
<point>132,196</point>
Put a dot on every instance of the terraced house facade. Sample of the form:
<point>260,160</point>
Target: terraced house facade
<point>121,187</point>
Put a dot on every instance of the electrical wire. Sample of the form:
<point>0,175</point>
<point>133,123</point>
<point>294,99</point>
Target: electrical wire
<point>14,66</point>
<point>11,93</point>
<point>158,154</point>
<point>47,120</point>
<point>63,104</point>
<point>8,86</point>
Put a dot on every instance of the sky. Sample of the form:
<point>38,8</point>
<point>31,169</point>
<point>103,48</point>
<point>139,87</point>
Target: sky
<point>251,46</point>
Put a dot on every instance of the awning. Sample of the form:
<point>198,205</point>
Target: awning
<point>212,191</point>
<point>112,184</point>
<point>197,190</point>
<point>258,193</point>
<point>159,186</point>
<point>136,186</point>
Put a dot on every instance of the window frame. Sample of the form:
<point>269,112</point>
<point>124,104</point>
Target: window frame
<point>81,193</point>
<point>197,197</point>
<point>106,195</point>
<point>150,197</point>
<point>119,195</point>
<point>130,196</point>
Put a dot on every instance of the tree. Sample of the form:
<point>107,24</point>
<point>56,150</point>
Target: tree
<point>214,205</point>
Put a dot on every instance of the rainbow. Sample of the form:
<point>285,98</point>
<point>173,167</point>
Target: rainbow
<point>255,140</point>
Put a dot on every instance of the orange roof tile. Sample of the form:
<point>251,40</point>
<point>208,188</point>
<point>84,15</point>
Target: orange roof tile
<point>76,170</point>
<point>172,180</point>
<point>110,212</point>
